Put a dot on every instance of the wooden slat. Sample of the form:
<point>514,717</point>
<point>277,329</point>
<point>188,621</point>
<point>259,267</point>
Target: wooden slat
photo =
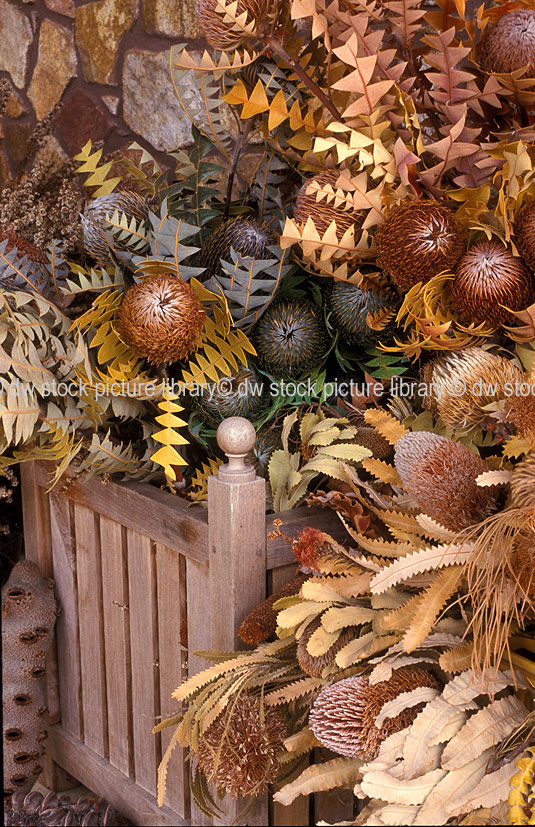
<point>282,575</point>
<point>333,805</point>
<point>115,603</point>
<point>143,641</point>
<point>172,642</point>
<point>279,549</point>
<point>99,775</point>
<point>94,699</point>
<point>162,517</point>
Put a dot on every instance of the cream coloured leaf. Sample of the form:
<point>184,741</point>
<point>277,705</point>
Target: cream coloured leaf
<point>494,478</point>
<point>321,641</point>
<point>340,772</point>
<point>491,790</point>
<point>363,647</point>
<point>341,618</point>
<point>454,785</point>
<point>294,615</point>
<point>396,814</point>
<point>382,785</point>
<point>292,691</point>
<point>383,671</point>
<point>430,721</point>
<point>405,700</point>
<point>428,559</point>
<point>323,591</point>
<point>466,686</point>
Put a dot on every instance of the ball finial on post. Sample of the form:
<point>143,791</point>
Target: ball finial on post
<point>236,437</point>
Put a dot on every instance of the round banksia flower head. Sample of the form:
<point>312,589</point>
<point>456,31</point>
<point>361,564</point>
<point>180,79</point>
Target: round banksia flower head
<point>464,382</point>
<point>290,337</point>
<point>509,43</point>
<point>525,234</point>
<point>418,240</point>
<point>161,319</point>
<point>440,475</point>
<point>238,752</point>
<point>488,280</point>
<point>245,236</point>
<point>344,713</point>
<point>267,441</point>
<point>219,31</point>
<point>523,483</point>
<point>352,308</point>
<point>260,624</point>
<point>237,395</point>
<point>314,665</point>
<point>330,208</point>
<point>128,203</point>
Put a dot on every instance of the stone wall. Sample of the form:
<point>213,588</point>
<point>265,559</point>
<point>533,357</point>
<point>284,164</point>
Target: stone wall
<point>103,63</point>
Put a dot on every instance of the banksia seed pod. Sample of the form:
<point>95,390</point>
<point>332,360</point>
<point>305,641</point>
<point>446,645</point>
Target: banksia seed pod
<point>489,276</point>
<point>314,665</point>
<point>245,236</point>
<point>523,483</point>
<point>509,43</point>
<point>219,31</point>
<point>128,203</point>
<point>237,395</point>
<point>344,713</point>
<point>267,441</point>
<point>260,624</point>
<point>161,319</point>
<point>440,474</point>
<point>377,444</point>
<point>53,810</point>
<point>238,752</point>
<point>351,308</point>
<point>464,382</point>
<point>418,240</point>
<point>525,234</point>
<point>290,337</point>
<point>329,208</point>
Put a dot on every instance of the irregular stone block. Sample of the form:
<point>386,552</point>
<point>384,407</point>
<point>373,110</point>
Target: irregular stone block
<point>171,18</point>
<point>16,137</point>
<point>16,36</point>
<point>79,120</point>
<point>112,102</point>
<point>99,28</point>
<point>65,7</point>
<point>56,65</point>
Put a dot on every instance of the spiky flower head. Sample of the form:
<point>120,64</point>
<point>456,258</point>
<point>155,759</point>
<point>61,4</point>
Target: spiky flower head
<point>308,547</point>
<point>267,440</point>
<point>509,43</point>
<point>523,483</point>
<point>488,280</point>
<point>245,236</point>
<point>352,310</point>
<point>238,752</point>
<point>46,811</point>
<point>464,382</point>
<point>261,622</point>
<point>440,474</point>
<point>128,203</point>
<point>314,665</point>
<point>418,240</point>
<point>525,234</point>
<point>332,206</point>
<point>222,33</point>
<point>237,395</point>
<point>290,337</point>
<point>161,319</point>
<point>344,714</point>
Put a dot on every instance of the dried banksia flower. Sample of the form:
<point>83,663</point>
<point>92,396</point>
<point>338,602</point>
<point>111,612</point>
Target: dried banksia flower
<point>308,547</point>
<point>245,236</point>
<point>488,280</point>
<point>260,624</point>
<point>522,563</point>
<point>344,713</point>
<point>238,752</point>
<point>267,440</point>
<point>440,474</point>
<point>161,319</point>
<point>222,33</point>
<point>290,337</point>
<point>23,247</point>
<point>53,811</point>
<point>418,240</point>
<point>330,208</point>
<point>237,395</point>
<point>130,204</point>
<point>523,483</point>
<point>509,43</point>
<point>314,665</point>
<point>353,308</point>
<point>465,382</point>
<point>525,234</point>
<point>377,444</point>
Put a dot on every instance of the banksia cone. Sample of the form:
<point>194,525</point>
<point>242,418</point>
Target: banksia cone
<point>245,236</point>
<point>267,441</point>
<point>343,715</point>
<point>509,43</point>
<point>523,483</point>
<point>260,624</point>
<point>525,235</point>
<point>222,33</point>
<point>53,811</point>
<point>522,564</point>
<point>238,752</point>
<point>440,474</point>
<point>128,203</point>
<point>161,319</point>
<point>418,240</point>
<point>290,337</point>
<point>489,276</point>
<point>369,438</point>
<point>353,308</point>
<point>237,395</point>
<point>314,665</point>
<point>330,208</point>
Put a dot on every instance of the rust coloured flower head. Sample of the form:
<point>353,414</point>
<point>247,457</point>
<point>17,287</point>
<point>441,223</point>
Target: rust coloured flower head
<point>260,624</point>
<point>238,752</point>
<point>330,208</point>
<point>344,713</point>
<point>418,240</point>
<point>161,319</point>
<point>308,547</point>
<point>525,234</point>
<point>490,280</point>
<point>509,43</point>
<point>222,33</point>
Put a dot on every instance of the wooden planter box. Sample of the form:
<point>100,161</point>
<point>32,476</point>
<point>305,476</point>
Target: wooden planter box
<point>143,581</point>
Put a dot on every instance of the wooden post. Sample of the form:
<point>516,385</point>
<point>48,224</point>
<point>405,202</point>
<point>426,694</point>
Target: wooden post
<point>237,559</point>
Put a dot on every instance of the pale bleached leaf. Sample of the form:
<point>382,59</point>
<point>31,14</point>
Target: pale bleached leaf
<point>466,686</point>
<point>340,772</point>
<point>454,785</point>
<point>491,790</point>
<point>383,785</point>
<point>405,700</point>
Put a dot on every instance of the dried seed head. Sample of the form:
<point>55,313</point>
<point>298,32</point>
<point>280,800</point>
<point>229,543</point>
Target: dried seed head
<point>333,206</point>
<point>525,234</point>
<point>161,319</point>
<point>418,240</point>
<point>344,713</point>
<point>488,277</point>
<point>509,43</point>
<point>260,624</point>
<point>352,308</point>
<point>238,752</point>
<point>314,665</point>
<point>290,337</point>
<point>441,474</point>
<point>235,395</point>
<point>245,236</point>
<point>130,204</point>
<point>523,483</point>
<point>222,33</point>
